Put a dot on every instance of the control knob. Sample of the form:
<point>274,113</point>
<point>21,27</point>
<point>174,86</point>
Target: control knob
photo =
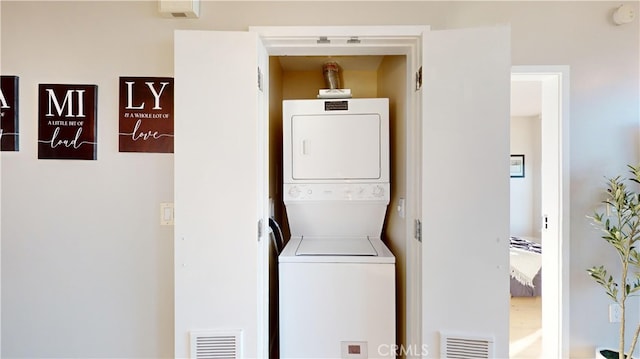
<point>378,191</point>
<point>294,191</point>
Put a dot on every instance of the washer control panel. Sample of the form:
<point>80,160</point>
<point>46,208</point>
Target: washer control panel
<point>337,192</point>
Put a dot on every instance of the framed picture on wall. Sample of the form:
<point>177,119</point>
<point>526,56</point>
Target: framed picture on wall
<point>67,122</point>
<point>9,113</point>
<point>516,167</point>
<point>146,114</point>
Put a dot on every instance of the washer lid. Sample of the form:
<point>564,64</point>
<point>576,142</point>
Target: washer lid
<point>335,246</point>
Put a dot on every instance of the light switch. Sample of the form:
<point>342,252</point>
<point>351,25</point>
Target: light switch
<point>166,214</point>
<point>400,207</point>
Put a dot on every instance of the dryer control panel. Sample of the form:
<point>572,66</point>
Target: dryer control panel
<point>337,192</point>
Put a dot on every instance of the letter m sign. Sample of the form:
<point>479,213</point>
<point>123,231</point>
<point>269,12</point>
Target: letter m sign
<point>67,116</point>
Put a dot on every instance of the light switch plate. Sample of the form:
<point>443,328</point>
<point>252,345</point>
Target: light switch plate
<point>401,206</point>
<point>166,214</point>
<point>615,313</point>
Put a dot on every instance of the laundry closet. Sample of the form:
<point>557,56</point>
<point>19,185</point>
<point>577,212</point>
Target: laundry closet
<point>338,231</point>
<point>448,97</point>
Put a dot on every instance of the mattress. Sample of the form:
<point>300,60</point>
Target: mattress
<point>526,267</point>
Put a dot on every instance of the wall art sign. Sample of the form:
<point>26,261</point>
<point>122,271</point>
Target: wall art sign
<point>9,113</point>
<point>67,121</point>
<point>146,114</point>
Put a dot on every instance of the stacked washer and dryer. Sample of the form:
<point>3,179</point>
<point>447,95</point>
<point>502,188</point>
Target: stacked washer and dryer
<point>336,276</point>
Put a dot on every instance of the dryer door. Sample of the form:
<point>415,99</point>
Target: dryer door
<point>337,146</point>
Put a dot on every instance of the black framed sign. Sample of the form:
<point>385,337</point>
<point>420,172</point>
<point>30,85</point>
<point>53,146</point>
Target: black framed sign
<point>9,113</point>
<point>146,114</point>
<point>67,121</point>
<point>516,167</point>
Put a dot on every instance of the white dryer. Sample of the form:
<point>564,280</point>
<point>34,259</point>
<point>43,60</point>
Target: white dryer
<point>336,276</point>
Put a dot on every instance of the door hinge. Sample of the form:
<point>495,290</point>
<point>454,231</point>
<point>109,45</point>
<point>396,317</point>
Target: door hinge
<point>353,40</point>
<point>545,222</point>
<point>260,79</point>
<point>418,230</point>
<point>260,229</point>
<point>419,79</point>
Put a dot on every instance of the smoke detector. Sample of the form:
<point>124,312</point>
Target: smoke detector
<point>624,14</point>
<point>179,9</point>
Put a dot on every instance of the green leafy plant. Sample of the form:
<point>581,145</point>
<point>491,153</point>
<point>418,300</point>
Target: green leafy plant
<point>620,225</point>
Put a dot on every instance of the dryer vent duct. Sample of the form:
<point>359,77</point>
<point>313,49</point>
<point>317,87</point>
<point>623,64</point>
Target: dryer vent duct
<point>331,73</point>
<point>333,88</point>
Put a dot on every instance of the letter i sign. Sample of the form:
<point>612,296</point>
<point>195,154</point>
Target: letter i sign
<point>67,116</point>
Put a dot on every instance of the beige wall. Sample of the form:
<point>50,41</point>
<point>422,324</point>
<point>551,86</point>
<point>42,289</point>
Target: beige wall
<point>393,68</point>
<point>305,84</point>
<point>86,268</point>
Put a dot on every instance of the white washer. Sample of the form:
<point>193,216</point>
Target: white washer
<point>336,276</point>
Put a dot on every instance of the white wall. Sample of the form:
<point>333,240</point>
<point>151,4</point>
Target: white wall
<point>86,268</point>
<point>525,191</point>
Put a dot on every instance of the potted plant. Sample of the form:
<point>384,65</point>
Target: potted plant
<point>620,227</point>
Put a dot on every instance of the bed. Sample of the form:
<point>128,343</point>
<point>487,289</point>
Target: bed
<point>526,267</point>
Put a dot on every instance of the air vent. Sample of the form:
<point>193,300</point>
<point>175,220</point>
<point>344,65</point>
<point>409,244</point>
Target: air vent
<point>179,8</point>
<point>465,346</point>
<point>215,345</point>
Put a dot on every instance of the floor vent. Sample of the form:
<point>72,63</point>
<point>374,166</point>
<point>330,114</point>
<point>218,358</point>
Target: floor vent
<point>465,346</point>
<point>215,345</point>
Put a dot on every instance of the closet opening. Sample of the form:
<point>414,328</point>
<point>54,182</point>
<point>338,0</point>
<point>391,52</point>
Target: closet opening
<point>366,76</point>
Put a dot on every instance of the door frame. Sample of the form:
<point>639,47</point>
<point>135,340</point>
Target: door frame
<point>555,203</point>
<point>381,40</point>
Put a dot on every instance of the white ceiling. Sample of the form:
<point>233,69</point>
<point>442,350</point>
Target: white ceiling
<point>525,95</point>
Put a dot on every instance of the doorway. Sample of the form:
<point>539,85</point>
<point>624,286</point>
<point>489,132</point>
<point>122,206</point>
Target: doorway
<point>552,83</point>
<point>373,68</point>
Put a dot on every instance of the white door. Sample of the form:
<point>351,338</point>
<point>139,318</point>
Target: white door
<point>220,175</point>
<point>465,189</point>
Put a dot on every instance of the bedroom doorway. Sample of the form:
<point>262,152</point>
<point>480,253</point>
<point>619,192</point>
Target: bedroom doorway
<point>552,82</point>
